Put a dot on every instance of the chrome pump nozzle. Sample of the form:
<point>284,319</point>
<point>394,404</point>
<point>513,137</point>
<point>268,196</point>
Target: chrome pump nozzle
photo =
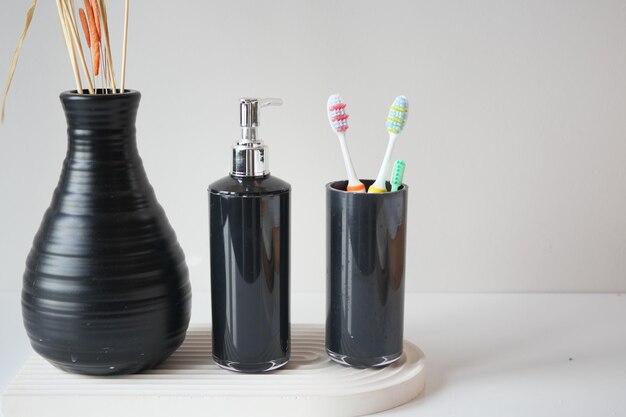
<point>250,155</point>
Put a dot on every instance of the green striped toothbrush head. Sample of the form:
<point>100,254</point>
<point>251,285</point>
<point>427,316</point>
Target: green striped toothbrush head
<point>397,115</point>
<point>397,175</point>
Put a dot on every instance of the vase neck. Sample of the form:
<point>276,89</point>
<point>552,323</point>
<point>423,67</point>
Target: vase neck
<point>101,127</point>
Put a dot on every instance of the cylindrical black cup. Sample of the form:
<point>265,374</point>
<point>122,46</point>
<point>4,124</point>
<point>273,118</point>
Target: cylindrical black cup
<point>365,243</point>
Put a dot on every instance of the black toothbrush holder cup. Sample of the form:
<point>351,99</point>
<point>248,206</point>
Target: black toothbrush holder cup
<point>366,247</point>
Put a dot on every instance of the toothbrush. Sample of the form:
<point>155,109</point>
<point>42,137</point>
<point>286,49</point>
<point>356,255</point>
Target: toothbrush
<point>395,122</point>
<point>397,174</point>
<point>339,122</point>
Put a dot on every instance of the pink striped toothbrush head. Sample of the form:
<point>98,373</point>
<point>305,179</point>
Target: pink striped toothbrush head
<point>339,122</point>
<point>337,114</point>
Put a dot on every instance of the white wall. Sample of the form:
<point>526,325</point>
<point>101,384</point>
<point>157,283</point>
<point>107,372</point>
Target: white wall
<point>515,144</point>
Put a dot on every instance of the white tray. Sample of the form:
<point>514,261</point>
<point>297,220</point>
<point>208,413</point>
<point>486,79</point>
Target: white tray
<point>189,384</point>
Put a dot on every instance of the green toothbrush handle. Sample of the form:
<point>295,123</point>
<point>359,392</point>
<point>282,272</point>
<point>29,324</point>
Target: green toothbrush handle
<point>397,174</point>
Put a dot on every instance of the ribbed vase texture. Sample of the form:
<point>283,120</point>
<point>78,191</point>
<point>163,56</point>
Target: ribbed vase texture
<point>106,288</point>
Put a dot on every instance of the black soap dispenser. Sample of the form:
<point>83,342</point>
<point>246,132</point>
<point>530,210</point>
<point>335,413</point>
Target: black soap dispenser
<point>249,214</point>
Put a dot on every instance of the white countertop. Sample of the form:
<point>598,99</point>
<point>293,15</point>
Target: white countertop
<point>487,354</point>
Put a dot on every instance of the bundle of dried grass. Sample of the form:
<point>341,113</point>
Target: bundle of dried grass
<point>99,75</point>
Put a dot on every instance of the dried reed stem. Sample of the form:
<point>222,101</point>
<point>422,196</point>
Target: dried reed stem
<point>74,35</point>
<point>107,45</point>
<point>16,55</point>
<point>123,76</point>
<point>85,23</point>
<point>70,48</point>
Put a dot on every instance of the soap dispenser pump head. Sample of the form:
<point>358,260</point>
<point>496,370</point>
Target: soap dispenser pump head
<point>250,155</point>
<point>249,115</point>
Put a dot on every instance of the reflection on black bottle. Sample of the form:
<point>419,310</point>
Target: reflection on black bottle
<point>249,221</point>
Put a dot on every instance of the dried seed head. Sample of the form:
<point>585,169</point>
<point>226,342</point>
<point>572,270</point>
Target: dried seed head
<point>83,20</point>
<point>96,13</point>
<point>96,58</point>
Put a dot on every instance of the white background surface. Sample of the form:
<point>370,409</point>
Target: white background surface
<point>515,143</point>
<point>487,354</point>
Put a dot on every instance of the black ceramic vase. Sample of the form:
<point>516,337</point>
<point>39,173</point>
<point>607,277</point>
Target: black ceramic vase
<point>106,288</point>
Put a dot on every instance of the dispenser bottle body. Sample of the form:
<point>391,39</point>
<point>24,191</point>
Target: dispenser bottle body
<point>250,268</point>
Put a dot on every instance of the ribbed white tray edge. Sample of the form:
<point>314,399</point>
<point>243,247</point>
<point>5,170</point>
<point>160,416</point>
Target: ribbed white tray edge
<point>190,384</point>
